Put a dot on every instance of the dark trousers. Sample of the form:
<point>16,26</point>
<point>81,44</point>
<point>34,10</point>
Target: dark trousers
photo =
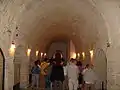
<point>57,85</point>
<point>30,78</point>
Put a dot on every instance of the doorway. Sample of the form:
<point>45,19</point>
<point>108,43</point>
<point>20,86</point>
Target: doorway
<point>2,69</point>
<point>100,63</point>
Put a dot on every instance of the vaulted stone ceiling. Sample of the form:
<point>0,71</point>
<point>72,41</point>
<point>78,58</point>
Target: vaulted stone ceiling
<point>43,21</point>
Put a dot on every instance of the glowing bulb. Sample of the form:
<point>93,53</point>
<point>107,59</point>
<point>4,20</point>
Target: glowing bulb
<point>28,52</point>
<point>13,46</point>
<point>78,55</point>
<point>41,54</point>
<point>37,52</point>
<point>12,49</point>
<point>83,54</point>
<point>45,54</point>
<point>91,53</point>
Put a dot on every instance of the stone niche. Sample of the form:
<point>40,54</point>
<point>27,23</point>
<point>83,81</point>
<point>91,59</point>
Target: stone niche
<point>100,63</point>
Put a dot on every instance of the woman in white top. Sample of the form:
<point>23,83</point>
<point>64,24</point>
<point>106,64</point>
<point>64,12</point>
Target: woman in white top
<point>65,83</point>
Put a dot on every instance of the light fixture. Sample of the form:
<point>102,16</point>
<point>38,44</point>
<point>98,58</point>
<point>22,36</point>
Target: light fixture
<point>12,49</point>
<point>28,52</point>
<point>45,54</point>
<point>91,56</point>
<point>78,55</point>
<point>37,52</point>
<point>83,54</point>
<point>61,55</point>
<point>41,54</point>
<point>91,53</point>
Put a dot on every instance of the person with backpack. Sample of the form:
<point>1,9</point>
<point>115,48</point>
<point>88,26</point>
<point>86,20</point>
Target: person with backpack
<point>35,74</point>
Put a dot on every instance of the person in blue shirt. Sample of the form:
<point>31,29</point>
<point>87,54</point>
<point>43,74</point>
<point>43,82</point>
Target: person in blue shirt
<point>35,74</point>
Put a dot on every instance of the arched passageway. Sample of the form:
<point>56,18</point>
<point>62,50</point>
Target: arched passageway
<point>35,24</point>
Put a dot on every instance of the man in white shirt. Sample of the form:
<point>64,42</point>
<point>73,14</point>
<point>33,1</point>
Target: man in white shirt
<point>65,83</point>
<point>72,73</point>
<point>89,78</point>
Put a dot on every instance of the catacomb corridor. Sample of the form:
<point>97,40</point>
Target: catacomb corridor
<point>86,29</point>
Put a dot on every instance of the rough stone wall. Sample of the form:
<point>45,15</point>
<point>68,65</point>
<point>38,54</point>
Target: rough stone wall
<point>110,12</point>
<point>12,10</point>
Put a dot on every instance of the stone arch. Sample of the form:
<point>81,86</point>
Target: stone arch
<point>2,69</point>
<point>100,63</point>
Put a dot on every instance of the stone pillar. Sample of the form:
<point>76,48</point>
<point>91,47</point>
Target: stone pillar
<point>22,58</point>
<point>113,68</point>
<point>9,76</point>
<point>24,67</point>
<point>17,61</point>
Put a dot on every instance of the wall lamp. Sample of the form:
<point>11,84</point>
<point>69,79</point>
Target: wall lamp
<point>37,52</point>
<point>45,54</point>
<point>83,54</point>
<point>28,52</point>
<point>12,49</point>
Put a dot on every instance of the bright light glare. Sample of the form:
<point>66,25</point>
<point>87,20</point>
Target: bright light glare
<point>28,52</point>
<point>83,54</point>
<point>91,53</point>
<point>45,54</point>
<point>78,55</point>
<point>41,54</point>
<point>37,52</point>
<point>12,49</point>
<point>73,55</point>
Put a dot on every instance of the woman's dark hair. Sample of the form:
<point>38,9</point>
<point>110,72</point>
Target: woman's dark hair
<point>57,56</point>
<point>58,59</point>
<point>36,63</point>
<point>87,65</point>
<point>79,63</point>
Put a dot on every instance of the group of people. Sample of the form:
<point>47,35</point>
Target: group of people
<point>61,75</point>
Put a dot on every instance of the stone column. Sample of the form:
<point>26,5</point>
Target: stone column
<point>9,73</point>
<point>24,67</point>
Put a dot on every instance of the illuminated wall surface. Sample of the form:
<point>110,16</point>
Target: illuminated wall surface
<point>72,50</point>
<point>58,46</point>
<point>36,23</point>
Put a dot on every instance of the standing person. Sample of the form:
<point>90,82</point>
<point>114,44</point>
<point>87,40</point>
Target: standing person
<point>57,74</point>
<point>80,78</point>
<point>30,74</point>
<point>73,73</point>
<point>47,71</point>
<point>65,83</point>
<point>35,74</point>
<point>89,78</point>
